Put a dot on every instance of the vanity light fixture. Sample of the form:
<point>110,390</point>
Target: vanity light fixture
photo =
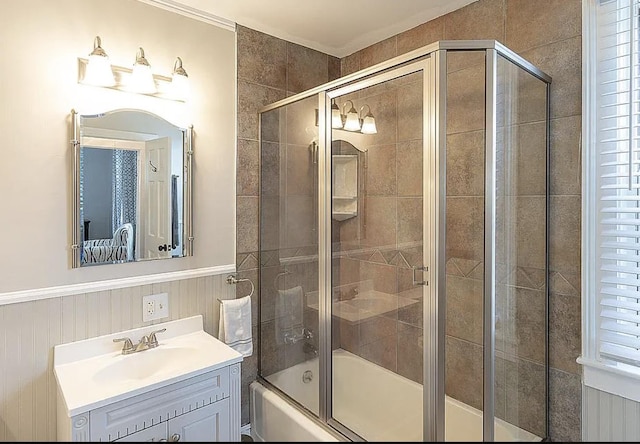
<point>368,122</point>
<point>98,71</point>
<point>351,119</point>
<point>180,81</point>
<point>336,116</point>
<point>141,80</point>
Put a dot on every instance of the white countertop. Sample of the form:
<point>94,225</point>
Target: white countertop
<point>93,372</point>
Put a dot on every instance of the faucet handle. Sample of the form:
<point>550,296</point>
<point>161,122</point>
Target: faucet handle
<point>128,345</point>
<point>153,341</point>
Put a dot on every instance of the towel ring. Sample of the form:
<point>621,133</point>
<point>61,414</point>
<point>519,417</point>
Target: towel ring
<point>275,280</point>
<point>231,279</point>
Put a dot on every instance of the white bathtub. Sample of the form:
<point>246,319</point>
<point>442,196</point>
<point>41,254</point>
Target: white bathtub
<point>359,388</point>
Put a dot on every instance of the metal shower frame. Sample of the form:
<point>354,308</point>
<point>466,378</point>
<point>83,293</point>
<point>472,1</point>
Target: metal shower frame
<point>432,60</point>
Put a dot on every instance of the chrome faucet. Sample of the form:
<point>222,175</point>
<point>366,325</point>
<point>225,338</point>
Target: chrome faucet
<point>145,343</point>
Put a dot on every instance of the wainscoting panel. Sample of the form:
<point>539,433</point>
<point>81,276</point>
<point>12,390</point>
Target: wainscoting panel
<point>30,330</point>
<point>608,417</point>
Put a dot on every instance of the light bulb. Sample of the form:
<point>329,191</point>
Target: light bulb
<point>336,118</point>
<point>180,81</point>
<point>352,122</point>
<point>369,125</point>
<point>98,71</point>
<point>141,80</point>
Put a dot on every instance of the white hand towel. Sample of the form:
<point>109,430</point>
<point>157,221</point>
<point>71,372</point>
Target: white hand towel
<point>235,325</point>
<point>289,314</point>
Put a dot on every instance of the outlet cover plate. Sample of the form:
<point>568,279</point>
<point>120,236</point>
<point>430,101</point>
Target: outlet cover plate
<point>155,306</point>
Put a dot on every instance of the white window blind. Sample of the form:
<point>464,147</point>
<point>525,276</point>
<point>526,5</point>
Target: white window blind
<point>618,180</point>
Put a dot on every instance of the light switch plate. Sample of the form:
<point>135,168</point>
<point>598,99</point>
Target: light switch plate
<point>155,306</point>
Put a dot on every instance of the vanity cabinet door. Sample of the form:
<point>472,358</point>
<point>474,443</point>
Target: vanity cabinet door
<point>209,423</point>
<point>154,433</point>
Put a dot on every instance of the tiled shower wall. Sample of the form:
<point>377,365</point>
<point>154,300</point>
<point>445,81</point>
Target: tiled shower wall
<point>30,330</point>
<point>269,69</point>
<point>547,33</point>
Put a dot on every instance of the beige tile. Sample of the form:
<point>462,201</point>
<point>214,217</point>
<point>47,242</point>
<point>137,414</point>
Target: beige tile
<point>350,64</point>
<point>334,68</point>
<point>380,213</point>
<point>383,352</point>
<point>466,100</point>
<point>457,60</point>
<point>565,400</point>
<point>376,329</point>
<point>271,222</point>
<point>272,354</point>
<point>531,162</point>
<point>563,62</point>
<point>528,232</point>
<point>530,24</point>
<point>410,352</point>
<point>247,224</point>
<point>383,277</point>
<point>528,99</point>
<point>270,123</point>
<point>410,111</point>
<point>421,35</point>
<point>384,109</point>
<point>465,304</point>
<point>378,52</point>
<point>410,164</point>
<point>524,324</point>
<point>347,333</point>
<point>252,97</point>
<point>300,222</point>
<point>465,164</point>
<point>381,171</point>
<point>477,21</point>
<point>306,68</point>
<point>301,126</point>
<point>564,332</point>
<point>409,217</point>
<point>262,58</point>
<point>465,227</point>
<point>269,169</point>
<point>564,249</point>
<point>463,371</point>
<point>300,171</point>
<point>566,162</point>
<point>247,168</point>
<point>525,395</point>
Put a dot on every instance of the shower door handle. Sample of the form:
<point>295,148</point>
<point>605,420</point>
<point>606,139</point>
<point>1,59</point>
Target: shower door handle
<point>415,281</point>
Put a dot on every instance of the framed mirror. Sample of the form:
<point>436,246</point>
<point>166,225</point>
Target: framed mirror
<point>132,188</point>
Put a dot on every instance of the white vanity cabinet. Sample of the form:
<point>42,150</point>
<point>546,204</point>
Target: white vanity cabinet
<point>196,398</point>
<point>202,408</point>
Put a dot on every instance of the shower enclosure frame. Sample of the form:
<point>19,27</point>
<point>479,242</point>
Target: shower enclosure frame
<point>432,59</point>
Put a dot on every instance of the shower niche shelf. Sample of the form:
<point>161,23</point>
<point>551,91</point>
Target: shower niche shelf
<point>345,186</point>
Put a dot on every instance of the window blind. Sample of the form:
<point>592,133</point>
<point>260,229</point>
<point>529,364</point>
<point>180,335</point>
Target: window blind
<point>618,180</point>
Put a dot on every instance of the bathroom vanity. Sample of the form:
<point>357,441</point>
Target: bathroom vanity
<point>187,388</point>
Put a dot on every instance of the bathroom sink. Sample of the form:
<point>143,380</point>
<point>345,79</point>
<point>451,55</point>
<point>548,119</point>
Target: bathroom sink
<point>144,364</point>
<point>93,372</point>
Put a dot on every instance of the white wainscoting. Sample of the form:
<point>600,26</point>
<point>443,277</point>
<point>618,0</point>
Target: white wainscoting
<point>30,330</point>
<point>608,417</point>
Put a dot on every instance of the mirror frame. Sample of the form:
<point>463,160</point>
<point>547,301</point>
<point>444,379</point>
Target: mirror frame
<point>187,151</point>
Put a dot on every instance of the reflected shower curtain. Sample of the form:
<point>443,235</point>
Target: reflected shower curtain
<point>125,179</point>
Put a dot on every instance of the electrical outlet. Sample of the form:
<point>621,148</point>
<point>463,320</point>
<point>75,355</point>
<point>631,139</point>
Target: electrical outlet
<point>155,306</point>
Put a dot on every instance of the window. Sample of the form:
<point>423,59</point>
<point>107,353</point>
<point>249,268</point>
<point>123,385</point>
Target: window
<point>611,196</point>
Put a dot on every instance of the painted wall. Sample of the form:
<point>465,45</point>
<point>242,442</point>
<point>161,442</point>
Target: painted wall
<point>41,43</point>
<point>30,330</point>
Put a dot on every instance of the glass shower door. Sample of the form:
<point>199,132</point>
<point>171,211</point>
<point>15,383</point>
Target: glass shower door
<point>377,262</point>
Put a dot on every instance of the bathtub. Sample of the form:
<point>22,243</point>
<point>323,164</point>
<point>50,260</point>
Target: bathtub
<point>359,388</point>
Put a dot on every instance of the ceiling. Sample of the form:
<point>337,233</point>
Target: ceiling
<point>335,27</point>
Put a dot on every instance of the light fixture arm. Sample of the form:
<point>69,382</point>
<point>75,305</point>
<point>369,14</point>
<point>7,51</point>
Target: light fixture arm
<point>178,69</point>
<point>140,58</point>
<point>360,115</point>
<point>345,103</point>
<point>97,49</point>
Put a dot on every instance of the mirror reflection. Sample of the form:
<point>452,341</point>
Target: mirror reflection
<point>133,193</point>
